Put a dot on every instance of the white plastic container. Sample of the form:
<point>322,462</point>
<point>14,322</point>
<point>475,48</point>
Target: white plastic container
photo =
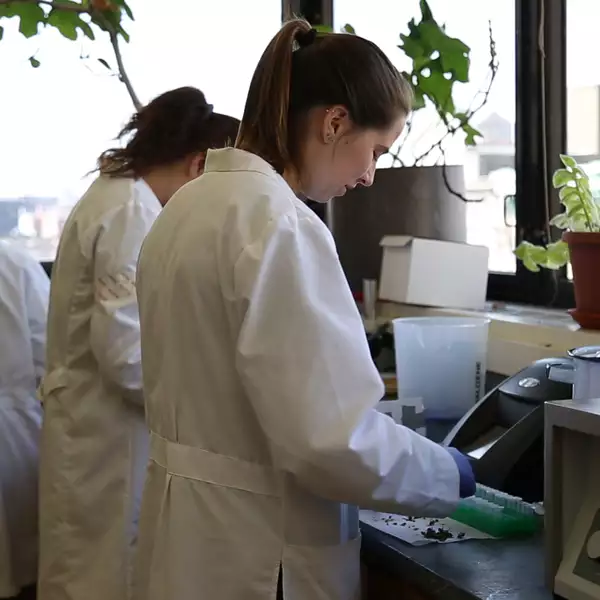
<point>443,361</point>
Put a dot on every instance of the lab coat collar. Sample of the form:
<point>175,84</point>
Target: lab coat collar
<point>233,159</point>
<point>146,195</point>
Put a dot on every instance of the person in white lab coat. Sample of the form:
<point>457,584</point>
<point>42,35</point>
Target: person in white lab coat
<point>94,437</point>
<point>260,389</point>
<point>24,291</point>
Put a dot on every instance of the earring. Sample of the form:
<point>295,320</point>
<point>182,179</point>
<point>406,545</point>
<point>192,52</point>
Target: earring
<point>329,139</point>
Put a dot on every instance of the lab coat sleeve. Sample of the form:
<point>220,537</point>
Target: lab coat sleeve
<point>37,298</point>
<point>305,363</point>
<point>115,324</point>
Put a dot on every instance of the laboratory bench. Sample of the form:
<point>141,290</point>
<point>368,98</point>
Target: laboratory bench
<point>469,570</point>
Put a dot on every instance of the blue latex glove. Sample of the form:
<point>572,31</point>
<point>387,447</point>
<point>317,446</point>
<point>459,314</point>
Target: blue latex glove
<point>465,471</point>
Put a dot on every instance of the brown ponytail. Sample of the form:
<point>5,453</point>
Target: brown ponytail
<point>301,70</point>
<point>264,127</point>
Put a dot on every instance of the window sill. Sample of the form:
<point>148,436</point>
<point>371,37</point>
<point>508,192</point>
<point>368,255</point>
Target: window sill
<point>519,335</point>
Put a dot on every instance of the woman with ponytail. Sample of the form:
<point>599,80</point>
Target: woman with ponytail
<point>261,394</point>
<point>94,438</point>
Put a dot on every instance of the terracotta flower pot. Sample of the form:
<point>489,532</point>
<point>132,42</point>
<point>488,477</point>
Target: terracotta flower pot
<point>584,249</point>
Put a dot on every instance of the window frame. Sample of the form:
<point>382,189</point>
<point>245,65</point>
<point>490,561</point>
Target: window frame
<point>540,136</point>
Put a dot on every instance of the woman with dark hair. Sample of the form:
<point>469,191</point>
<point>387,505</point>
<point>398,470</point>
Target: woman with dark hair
<point>94,438</point>
<point>261,395</point>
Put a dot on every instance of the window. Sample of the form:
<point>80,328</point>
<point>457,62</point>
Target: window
<point>488,167</point>
<point>540,138</point>
<point>583,92</point>
<point>583,89</point>
<point>63,114</point>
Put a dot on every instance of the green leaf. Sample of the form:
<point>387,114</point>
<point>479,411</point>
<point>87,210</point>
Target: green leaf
<point>578,223</point>
<point>126,8</point>
<point>62,21</point>
<point>323,28</point>
<point>561,177</point>
<point>471,133</point>
<point>566,191</point>
<point>108,19</point>
<point>87,30</point>
<point>572,200</point>
<point>537,254</point>
<point>462,117</point>
<point>104,63</point>
<point>438,89</point>
<point>426,14</point>
<point>557,255</point>
<point>454,54</point>
<point>561,221</point>
<point>568,161</point>
<point>35,63</point>
<point>123,33</point>
<point>30,15</point>
<point>554,256</point>
<point>68,22</point>
<point>347,28</point>
<point>530,264</point>
<point>575,211</point>
<point>521,250</point>
<point>412,48</point>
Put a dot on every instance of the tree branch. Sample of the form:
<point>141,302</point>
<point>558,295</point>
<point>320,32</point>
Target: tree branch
<point>96,17</point>
<point>447,182</point>
<point>114,40</point>
<point>396,154</point>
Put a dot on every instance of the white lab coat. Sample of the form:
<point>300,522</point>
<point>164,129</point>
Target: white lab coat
<point>24,290</point>
<point>260,397</point>
<point>94,438</point>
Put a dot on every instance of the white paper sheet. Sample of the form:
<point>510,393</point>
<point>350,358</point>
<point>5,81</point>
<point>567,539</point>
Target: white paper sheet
<point>418,531</point>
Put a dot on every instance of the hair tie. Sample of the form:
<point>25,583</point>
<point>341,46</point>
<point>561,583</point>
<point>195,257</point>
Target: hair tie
<point>306,38</point>
<point>208,111</point>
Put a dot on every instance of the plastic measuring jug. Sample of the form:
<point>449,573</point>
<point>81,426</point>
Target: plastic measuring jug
<point>443,361</point>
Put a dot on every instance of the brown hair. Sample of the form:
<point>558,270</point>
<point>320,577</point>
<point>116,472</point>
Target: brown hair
<point>173,126</point>
<point>301,70</point>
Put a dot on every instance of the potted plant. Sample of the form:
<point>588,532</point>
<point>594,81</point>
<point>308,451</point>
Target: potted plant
<point>579,245</point>
<point>418,195</point>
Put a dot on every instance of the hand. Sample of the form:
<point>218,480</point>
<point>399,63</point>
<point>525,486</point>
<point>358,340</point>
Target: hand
<point>465,471</point>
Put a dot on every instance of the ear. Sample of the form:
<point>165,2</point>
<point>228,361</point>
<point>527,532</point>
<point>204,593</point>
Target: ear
<point>196,165</point>
<point>336,123</point>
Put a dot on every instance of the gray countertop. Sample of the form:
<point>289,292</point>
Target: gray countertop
<point>470,570</point>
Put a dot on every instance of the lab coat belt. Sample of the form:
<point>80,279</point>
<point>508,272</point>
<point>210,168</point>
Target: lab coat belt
<point>196,463</point>
<point>54,380</point>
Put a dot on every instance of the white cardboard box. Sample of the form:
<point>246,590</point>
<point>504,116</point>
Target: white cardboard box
<point>433,273</point>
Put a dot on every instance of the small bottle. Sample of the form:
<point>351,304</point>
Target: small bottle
<point>370,300</point>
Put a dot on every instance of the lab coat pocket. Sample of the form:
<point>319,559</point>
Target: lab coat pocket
<point>323,572</point>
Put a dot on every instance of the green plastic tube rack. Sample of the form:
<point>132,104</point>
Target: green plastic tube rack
<point>498,514</point>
